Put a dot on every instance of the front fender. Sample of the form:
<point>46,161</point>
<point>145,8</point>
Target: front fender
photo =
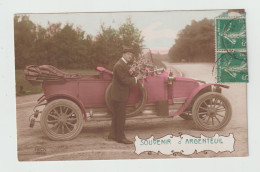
<point>193,96</point>
<point>69,97</point>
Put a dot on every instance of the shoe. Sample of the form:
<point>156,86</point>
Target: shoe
<point>125,141</point>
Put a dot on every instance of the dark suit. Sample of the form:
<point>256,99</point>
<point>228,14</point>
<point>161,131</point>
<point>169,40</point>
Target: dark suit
<point>118,95</point>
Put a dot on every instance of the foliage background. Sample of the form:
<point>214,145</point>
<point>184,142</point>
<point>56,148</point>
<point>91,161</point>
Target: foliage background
<point>195,43</point>
<point>69,47</point>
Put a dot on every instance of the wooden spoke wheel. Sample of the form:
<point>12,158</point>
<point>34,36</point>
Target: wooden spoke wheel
<point>211,111</point>
<point>61,119</point>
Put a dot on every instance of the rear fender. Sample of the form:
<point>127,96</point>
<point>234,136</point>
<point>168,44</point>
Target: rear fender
<point>73,99</point>
<point>194,94</point>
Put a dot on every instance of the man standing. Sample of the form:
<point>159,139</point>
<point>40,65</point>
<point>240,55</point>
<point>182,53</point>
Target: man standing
<point>119,94</point>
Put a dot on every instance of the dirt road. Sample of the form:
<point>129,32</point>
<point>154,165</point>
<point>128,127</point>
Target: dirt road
<point>92,142</point>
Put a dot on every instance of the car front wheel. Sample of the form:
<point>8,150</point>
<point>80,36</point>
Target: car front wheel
<point>211,111</point>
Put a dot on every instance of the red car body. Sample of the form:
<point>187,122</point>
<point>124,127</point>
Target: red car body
<point>66,100</point>
<point>89,91</point>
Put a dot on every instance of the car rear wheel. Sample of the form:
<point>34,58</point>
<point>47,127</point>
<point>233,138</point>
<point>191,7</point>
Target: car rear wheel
<point>211,111</point>
<point>61,119</point>
<point>134,110</point>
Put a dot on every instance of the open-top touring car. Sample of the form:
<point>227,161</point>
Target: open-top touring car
<point>71,99</point>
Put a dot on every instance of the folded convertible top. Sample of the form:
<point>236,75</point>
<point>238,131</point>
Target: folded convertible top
<point>37,74</point>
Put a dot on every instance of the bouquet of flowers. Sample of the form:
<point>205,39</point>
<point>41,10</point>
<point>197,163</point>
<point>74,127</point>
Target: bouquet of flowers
<point>139,66</point>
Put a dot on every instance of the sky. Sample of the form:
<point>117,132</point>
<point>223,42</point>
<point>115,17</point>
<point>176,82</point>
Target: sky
<point>158,28</point>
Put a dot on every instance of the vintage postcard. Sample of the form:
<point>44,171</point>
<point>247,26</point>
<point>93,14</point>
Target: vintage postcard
<point>131,85</point>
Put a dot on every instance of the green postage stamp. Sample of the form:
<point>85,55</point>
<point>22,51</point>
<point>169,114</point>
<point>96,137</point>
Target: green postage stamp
<point>232,67</point>
<point>231,56</point>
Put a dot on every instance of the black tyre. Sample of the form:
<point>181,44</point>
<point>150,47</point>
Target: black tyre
<point>187,115</point>
<point>211,111</point>
<point>133,110</point>
<point>61,119</point>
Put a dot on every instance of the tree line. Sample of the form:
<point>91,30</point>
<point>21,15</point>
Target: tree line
<point>70,47</point>
<point>195,43</point>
